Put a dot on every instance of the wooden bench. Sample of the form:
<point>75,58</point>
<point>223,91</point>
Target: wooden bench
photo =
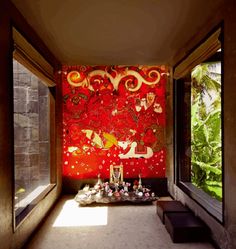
<point>164,207</point>
<point>186,227</point>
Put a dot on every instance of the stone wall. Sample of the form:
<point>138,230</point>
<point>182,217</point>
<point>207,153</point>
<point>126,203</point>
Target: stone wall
<point>31,130</point>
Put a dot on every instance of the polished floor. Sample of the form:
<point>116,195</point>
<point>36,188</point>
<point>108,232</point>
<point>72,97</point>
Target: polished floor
<point>104,227</point>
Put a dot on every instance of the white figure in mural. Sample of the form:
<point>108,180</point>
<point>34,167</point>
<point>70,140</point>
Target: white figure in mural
<point>132,152</point>
<point>144,103</point>
<point>138,106</point>
<point>157,108</point>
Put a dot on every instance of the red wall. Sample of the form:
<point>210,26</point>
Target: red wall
<point>114,115</point>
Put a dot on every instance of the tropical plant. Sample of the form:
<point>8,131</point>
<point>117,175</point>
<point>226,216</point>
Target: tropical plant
<point>206,146</point>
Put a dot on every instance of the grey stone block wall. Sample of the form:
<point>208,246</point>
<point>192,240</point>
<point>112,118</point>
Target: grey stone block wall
<point>31,130</point>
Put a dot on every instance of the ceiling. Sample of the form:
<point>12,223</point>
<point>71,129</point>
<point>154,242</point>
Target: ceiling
<point>116,32</point>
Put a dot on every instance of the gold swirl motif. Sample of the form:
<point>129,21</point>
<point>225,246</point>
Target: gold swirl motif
<point>141,80</point>
<point>115,81</point>
<point>77,80</point>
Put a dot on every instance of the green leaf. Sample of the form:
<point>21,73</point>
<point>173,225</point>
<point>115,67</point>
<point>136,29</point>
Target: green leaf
<point>207,166</point>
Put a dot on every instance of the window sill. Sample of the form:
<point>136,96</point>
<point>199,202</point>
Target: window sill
<point>25,206</point>
<point>211,205</point>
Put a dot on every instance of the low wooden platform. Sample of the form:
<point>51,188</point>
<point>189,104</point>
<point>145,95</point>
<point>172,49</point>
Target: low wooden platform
<point>163,207</point>
<point>185,227</point>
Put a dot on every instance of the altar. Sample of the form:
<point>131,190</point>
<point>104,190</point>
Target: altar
<point>85,199</point>
<point>116,191</point>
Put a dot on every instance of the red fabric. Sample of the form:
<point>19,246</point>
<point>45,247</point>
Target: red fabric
<point>106,105</point>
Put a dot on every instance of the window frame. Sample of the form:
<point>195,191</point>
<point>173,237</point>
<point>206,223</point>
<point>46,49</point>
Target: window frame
<point>20,218</point>
<point>182,139</point>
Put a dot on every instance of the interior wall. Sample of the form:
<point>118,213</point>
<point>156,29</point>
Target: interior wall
<point>6,146</point>
<point>223,234</point>
<point>169,132</point>
<point>114,115</point>
<point>8,237</point>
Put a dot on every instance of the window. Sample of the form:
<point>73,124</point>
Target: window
<point>206,139</point>
<point>198,125</point>
<point>33,121</point>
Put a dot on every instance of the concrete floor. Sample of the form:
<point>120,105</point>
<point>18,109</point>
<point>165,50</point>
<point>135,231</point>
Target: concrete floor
<point>104,227</point>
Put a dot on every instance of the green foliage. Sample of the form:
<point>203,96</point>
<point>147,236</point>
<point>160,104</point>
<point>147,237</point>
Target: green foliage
<point>206,152</point>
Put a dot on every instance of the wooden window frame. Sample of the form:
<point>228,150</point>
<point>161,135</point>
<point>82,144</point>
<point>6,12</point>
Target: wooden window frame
<point>31,59</point>
<point>182,130</point>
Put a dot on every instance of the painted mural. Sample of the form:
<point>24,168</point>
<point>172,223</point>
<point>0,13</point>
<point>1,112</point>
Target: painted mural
<point>114,115</point>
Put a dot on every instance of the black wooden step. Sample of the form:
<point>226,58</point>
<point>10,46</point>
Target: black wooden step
<point>186,227</point>
<point>163,207</point>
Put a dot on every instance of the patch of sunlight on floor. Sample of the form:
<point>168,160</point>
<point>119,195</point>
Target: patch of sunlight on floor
<point>72,215</point>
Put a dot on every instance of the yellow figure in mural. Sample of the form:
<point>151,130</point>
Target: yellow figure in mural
<point>97,140</point>
<point>110,140</point>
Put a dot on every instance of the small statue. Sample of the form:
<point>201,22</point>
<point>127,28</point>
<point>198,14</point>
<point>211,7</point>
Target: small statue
<point>116,175</point>
<point>126,187</point>
<point>116,187</point>
<point>135,185</point>
<point>99,194</point>
<point>99,184</point>
<point>140,183</point>
<point>99,179</point>
<point>107,187</point>
<point>140,194</point>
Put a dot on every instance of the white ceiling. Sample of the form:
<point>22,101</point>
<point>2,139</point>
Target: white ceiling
<point>112,32</point>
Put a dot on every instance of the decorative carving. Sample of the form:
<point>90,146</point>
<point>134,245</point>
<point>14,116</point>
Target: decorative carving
<point>133,80</point>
